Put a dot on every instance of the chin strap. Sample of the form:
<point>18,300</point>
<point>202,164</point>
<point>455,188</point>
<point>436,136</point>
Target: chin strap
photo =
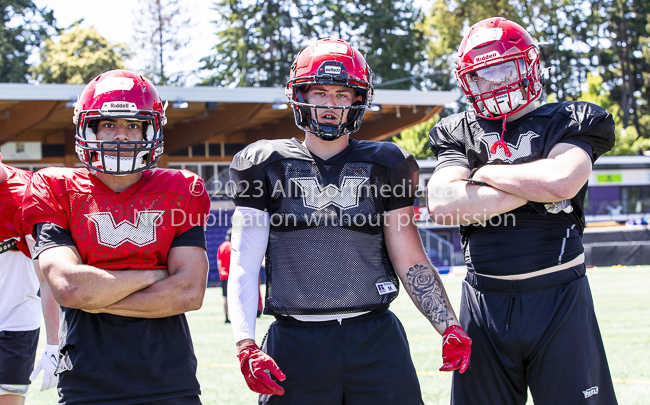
<point>501,142</point>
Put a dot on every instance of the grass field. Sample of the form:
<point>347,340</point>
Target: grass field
<point>622,306</point>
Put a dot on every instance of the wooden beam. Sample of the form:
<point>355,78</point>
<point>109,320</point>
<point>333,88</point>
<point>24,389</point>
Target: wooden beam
<point>25,116</point>
<point>44,161</point>
<point>227,119</point>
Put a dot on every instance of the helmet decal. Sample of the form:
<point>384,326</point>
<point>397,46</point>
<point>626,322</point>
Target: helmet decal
<point>113,84</point>
<point>483,37</point>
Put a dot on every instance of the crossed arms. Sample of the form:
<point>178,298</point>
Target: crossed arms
<point>452,201</point>
<point>135,293</point>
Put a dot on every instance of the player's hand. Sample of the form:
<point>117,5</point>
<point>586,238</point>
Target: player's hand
<point>456,349</point>
<point>257,367</point>
<point>47,363</point>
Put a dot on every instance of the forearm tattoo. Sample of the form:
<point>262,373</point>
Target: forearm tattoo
<point>428,294</point>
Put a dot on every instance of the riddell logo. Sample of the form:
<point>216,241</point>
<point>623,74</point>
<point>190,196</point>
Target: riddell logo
<point>333,70</point>
<point>484,57</point>
<point>120,105</point>
<point>591,391</point>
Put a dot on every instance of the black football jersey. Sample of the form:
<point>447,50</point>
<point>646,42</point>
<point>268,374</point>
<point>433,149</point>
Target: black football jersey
<point>523,240</point>
<point>326,252</point>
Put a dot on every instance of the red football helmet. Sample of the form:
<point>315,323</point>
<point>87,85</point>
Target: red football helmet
<point>329,61</point>
<point>119,94</point>
<point>498,68</point>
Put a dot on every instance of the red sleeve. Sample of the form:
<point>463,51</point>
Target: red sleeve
<point>198,206</point>
<point>227,259</point>
<point>41,204</point>
<point>22,227</point>
<point>16,185</point>
<point>223,256</point>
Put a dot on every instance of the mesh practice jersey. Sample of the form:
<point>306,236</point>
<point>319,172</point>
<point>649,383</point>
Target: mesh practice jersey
<point>522,240</point>
<point>108,358</point>
<point>326,252</point>
<point>20,306</point>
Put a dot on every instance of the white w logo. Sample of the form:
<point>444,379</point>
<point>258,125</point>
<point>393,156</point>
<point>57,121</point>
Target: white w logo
<point>140,234</point>
<point>316,197</point>
<point>451,336</point>
<point>520,150</point>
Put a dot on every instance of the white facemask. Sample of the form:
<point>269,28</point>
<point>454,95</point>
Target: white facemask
<point>126,163</point>
<point>504,106</point>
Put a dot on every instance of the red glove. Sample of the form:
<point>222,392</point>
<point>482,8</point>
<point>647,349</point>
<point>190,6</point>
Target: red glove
<point>456,349</point>
<point>257,367</point>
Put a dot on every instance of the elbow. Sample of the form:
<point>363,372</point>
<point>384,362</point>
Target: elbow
<point>59,287</point>
<point>441,203</point>
<point>441,214</point>
<point>71,297</point>
<point>195,304</point>
<point>193,298</point>
<point>563,195</point>
<point>566,184</point>
<point>564,189</point>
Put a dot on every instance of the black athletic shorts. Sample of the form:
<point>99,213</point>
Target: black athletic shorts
<point>17,356</point>
<point>539,333</point>
<point>191,400</point>
<point>362,360</point>
<point>224,287</point>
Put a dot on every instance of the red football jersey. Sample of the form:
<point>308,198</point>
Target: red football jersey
<point>133,229</point>
<point>11,219</point>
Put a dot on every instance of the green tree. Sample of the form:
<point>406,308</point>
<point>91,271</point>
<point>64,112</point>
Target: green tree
<point>162,38</point>
<point>628,141</point>
<point>616,31</point>
<point>553,23</point>
<point>24,27</point>
<point>645,51</point>
<point>258,40</point>
<point>78,56</point>
<point>388,32</point>
<point>416,139</point>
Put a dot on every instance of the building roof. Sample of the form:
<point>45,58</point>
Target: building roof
<point>205,115</point>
